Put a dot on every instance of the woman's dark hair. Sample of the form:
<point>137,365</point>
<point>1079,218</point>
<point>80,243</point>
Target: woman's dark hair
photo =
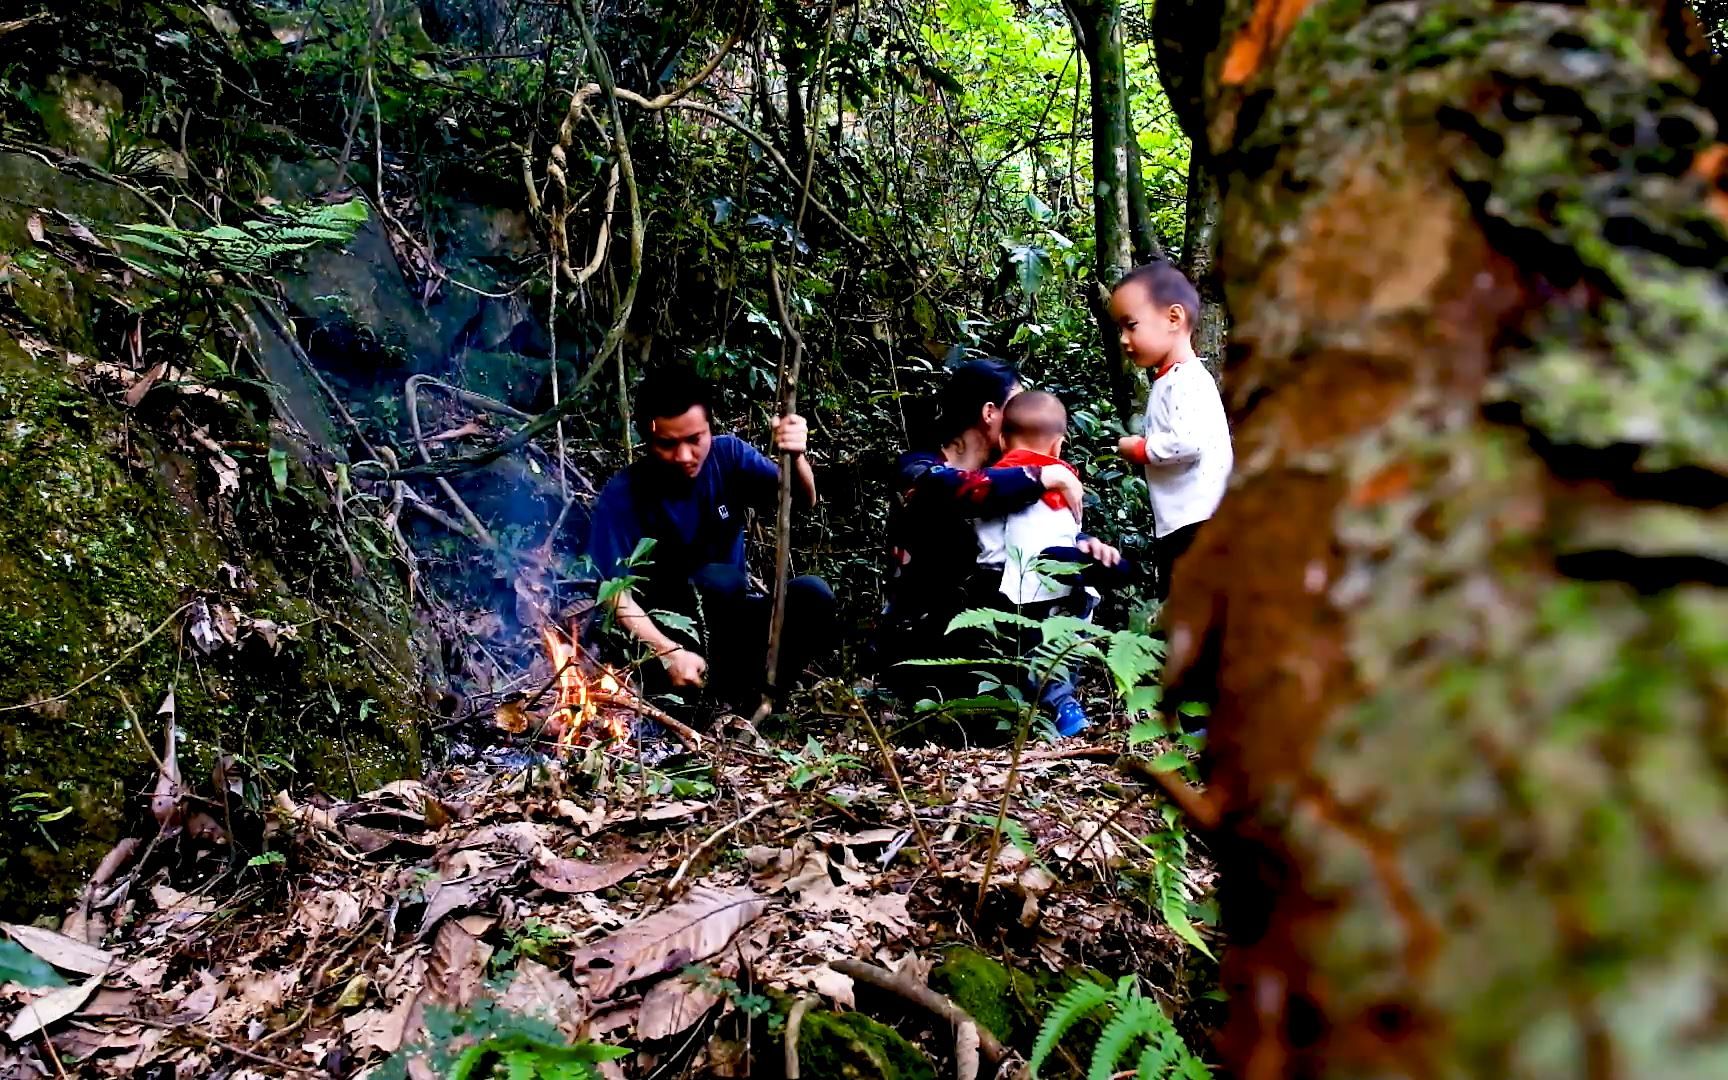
<point>669,392</point>
<point>971,386</point>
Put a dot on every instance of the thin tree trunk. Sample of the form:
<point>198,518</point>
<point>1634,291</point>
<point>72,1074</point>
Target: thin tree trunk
<point>1199,257</point>
<point>1098,29</point>
<point>1142,231</point>
<point>1463,616</point>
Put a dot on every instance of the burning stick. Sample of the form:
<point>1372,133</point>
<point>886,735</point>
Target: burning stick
<point>579,701</point>
<point>625,700</point>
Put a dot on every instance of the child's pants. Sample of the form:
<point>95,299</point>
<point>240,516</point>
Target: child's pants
<point>1053,690</point>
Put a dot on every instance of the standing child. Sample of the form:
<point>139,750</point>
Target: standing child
<point>1186,445</point>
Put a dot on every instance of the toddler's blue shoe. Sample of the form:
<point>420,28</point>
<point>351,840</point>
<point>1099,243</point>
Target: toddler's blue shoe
<point>1071,718</point>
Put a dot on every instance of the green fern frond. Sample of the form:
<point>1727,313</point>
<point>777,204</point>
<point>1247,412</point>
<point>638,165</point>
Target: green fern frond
<point>1132,658</point>
<point>1135,1019</point>
<point>1191,1068</point>
<point>990,619</point>
<point>1081,1000</point>
<point>948,661</point>
<point>255,244</point>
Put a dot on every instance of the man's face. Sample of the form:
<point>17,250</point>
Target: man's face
<point>1148,330</point>
<point>682,442</point>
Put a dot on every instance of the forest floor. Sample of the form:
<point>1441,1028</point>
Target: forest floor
<point>680,909</point>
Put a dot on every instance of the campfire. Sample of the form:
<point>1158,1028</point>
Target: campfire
<point>581,695</point>
<point>587,697</point>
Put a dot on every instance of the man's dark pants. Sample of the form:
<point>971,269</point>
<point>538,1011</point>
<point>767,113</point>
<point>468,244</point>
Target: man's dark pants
<point>731,632</point>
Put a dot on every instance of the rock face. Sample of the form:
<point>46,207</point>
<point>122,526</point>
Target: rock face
<point>81,114</point>
<point>111,521</point>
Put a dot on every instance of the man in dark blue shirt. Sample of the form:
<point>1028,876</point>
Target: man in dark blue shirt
<point>690,495</point>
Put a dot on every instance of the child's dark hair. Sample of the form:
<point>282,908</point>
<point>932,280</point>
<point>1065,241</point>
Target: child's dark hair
<point>668,392</point>
<point>971,386</point>
<point>1166,285</point>
<point>1034,413</point>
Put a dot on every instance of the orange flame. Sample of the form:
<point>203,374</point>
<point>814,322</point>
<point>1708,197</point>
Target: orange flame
<point>575,708</point>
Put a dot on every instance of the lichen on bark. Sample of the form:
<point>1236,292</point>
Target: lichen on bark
<point>1461,614</point>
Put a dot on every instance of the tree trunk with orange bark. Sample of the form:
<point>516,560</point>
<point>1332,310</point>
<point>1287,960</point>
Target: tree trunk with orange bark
<point>1462,617</point>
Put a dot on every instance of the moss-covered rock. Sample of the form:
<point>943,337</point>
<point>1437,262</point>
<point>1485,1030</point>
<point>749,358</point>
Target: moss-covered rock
<point>108,528</point>
<point>1010,1002</point>
<point>1002,998</point>
<point>851,1046</point>
<point>101,542</point>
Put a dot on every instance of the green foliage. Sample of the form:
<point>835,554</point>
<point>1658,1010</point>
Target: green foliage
<point>488,1040</point>
<point>814,762</point>
<point>1131,1020</point>
<point>534,940</point>
<point>252,246</point>
<point>750,1004</point>
<point>20,965</point>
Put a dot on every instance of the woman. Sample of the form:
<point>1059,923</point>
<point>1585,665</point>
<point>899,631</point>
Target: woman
<point>941,493</point>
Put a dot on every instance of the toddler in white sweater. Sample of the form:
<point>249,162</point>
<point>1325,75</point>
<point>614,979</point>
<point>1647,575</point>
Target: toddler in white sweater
<point>1186,445</point>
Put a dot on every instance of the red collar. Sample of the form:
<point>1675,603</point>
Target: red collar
<point>1167,367</point>
<point>1035,459</point>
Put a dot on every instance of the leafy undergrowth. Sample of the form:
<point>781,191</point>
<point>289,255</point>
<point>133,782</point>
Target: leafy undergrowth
<point>532,919</point>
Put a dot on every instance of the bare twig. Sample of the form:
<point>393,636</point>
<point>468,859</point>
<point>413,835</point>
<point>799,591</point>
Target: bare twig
<point>411,391</point>
<point>602,241</point>
<point>900,789</point>
<point>237,1051</point>
<point>1192,802</point>
<point>795,1021</point>
<point>783,516</point>
<point>686,734</point>
<point>627,168</point>
<point>709,843</point>
<point>883,979</point>
<point>19,24</point>
<point>768,150</point>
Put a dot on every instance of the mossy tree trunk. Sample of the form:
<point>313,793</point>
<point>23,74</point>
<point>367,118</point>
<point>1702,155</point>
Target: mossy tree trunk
<point>1122,223</point>
<point>1462,617</point>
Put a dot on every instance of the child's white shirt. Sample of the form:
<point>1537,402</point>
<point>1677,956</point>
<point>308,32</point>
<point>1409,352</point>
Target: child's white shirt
<point>1025,535</point>
<point>1188,454</point>
<point>1014,542</point>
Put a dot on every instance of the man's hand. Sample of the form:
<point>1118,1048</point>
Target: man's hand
<point>1099,550</point>
<point>791,434</point>
<point>686,668</point>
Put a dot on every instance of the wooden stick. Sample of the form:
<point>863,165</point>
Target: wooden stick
<point>794,1021</point>
<point>883,979</point>
<point>237,1051</point>
<point>783,517</point>
<point>712,840</point>
<point>686,734</point>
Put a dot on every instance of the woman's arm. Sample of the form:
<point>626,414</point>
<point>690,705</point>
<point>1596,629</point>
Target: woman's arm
<point>984,493</point>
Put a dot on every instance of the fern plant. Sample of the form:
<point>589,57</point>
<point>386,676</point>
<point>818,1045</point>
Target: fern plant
<point>1132,1022</point>
<point>251,246</point>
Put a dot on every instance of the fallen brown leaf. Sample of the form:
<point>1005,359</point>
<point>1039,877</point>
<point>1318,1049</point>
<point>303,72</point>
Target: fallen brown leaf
<point>539,991</point>
<point>51,1008</point>
<point>693,930</point>
<point>672,1006</point>
<point>65,953</point>
<point>574,876</point>
<point>457,965</point>
<point>136,392</point>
